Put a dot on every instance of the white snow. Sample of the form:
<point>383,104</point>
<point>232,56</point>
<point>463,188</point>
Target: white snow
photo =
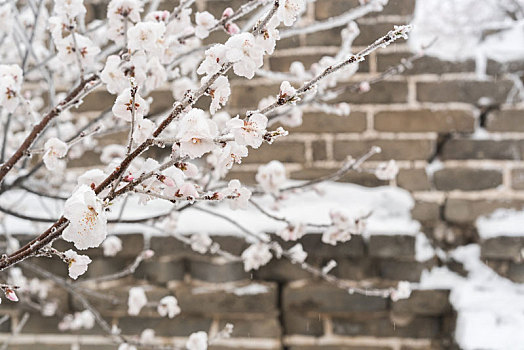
<point>502,222</point>
<point>469,29</point>
<point>490,308</point>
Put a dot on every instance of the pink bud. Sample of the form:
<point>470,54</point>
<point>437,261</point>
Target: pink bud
<point>168,181</point>
<point>228,12</point>
<point>11,295</point>
<point>129,178</point>
<point>148,254</point>
<point>232,28</point>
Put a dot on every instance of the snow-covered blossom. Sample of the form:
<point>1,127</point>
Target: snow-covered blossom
<point>54,149</point>
<point>196,134</point>
<point>144,130</point>
<point>249,132</point>
<point>84,50</point>
<point>11,78</point>
<point>188,191</point>
<point>120,9</point>
<point>255,256</point>
<point>205,21</point>
<point>87,220</point>
<point>387,170</point>
<point>113,76</point>
<point>219,91</point>
<point>403,291</point>
<point>200,243</point>
<point>112,152</point>
<point>168,306</point>
<point>246,55</point>
<point>271,176</point>
<point>156,74</point>
<point>80,320</point>
<point>69,8</point>
<point>224,158</point>
<point>215,57</point>
<point>297,253</point>
<point>286,91</point>
<point>342,228</point>
<point>77,263</point>
<point>292,232</point>
<point>123,107</point>
<point>288,10</point>
<point>112,245</point>
<point>136,301</point>
<point>197,341</point>
<point>181,86</point>
<point>147,36</point>
<point>241,195</point>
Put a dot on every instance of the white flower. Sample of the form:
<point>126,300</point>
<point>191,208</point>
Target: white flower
<point>197,341</point>
<point>224,158</point>
<point>84,319</point>
<point>240,195</point>
<point>156,74</point>
<point>249,132</point>
<point>205,21</point>
<point>69,8</point>
<point>292,232</point>
<point>215,58</point>
<point>271,176</point>
<point>67,52</point>
<point>269,36</point>
<point>246,55</point>
<point>196,134</point>
<point>136,301</point>
<point>120,9</point>
<point>181,86</point>
<point>188,191</point>
<point>342,228</point>
<point>403,291</point>
<point>286,91</point>
<point>123,107</point>
<point>112,152</point>
<point>77,263</point>
<point>144,130</point>
<point>168,306</point>
<point>112,245</point>
<point>11,78</point>
<point>113,76</point>
<point>387,170</point>
<point>200,243</point>
<point>87,220</point>
<point>219,91</point>
<point>147,336</point>
<point>288,10</point>
<point>297,253</point>
<point>255,256</point>
<point>54,149</point>
<point>147,36</point>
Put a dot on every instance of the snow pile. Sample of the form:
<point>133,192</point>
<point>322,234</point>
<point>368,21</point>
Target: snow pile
<point>502,222</point>
<point>490,308</point>
<point>469,29</point>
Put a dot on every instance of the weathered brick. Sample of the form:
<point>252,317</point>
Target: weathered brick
<point>355,269</point>
<point>167,246</point>
<point>328,8</point>
<point>216,270</point>
<point>209,300</point>
<point>425,302</point>
<point>317,297</point>
<point>319,150</point>
<point>500,68</point>
<point>483,149</point>
<point>392,246</point>
<point>396,270</point>
<point>182,325</point>
<point>516,272</point>
<point>505,120</point>
<point>466,179</point>
<point>295,323</point>
<point>463,91</point>
<point>40,346</point>
<point>248,96</point>
<point>38,324</point>
<point>391,149</point>
<point>383,326</point>
<point>503,247</point>
<point>351,249</point>
<point>282,270</point>
<point>285,151</point>
<point>358,178</point>
<point>517,179</point>
<point>381,93</point>
<point>340,347</point>
<point>423,65</point>
<point>413,179</point>
<point>258,327</point>
<point>321,122</point>
<point>425,120</point>
<point>466,211</point>
<point>160,271</point>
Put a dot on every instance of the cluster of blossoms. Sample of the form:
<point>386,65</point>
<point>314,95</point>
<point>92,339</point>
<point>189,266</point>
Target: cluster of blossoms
<point>131,54</point>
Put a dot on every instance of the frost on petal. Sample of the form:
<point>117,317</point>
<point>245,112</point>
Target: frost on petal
<point>87,220</point>
<point>54,149</point>
<point>271,176</point>
<point>196,134</point>
<point>249,132</point>
<point>246,54</point>
<point>147,36</point>
<point>219,91</point>
<point>123,107</point>
<point>297,253</point>
<point>168,306</point>
<point>77,263</point>
<point>113,76</point>
<point>288,10</point>
<point>136,301</point>
<point>197,341</point>
<point>205,21</point>
<point>255,256</point>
